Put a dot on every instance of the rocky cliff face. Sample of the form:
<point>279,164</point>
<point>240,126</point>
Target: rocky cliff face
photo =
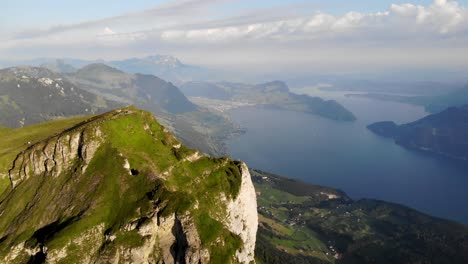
<point>56,155</point>
<point>243,217</point>
<point>119,188</point>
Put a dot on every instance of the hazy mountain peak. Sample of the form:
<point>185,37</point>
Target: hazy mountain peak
<point>60,66</point>
<point>166,60</point>
<point>99,68</point>
<point>273,86</point>
<point>103,74</point>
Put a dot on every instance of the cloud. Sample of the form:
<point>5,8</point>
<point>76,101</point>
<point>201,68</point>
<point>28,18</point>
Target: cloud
<point>108,31</point>
<point>439,20</point>
<point>442,16</point>
<point>404,34</point>
<point>175,9</point>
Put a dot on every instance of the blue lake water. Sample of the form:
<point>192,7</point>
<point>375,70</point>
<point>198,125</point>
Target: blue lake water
<point>347,156</point>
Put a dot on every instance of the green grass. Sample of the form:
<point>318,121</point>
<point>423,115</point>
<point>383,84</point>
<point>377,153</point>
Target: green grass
<point>129,239</point>
<point>3,130</point>
<point>145,151</point>
<point>212,230</point>
<point>271,195</point>
<point>205,222</point>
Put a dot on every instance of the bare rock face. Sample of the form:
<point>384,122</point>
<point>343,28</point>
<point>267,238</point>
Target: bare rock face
<point>56,155</point>
<point>168,240</point>
<point>243,217</point>
<point>177,240</point>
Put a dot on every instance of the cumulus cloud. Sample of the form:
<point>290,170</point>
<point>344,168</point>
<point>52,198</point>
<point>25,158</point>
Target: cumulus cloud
<point>439,20</point>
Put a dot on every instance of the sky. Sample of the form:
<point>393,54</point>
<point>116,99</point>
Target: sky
<point>254,35</point>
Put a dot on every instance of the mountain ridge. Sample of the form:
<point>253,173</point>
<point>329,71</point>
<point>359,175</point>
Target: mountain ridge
<point>139,88</point>
<point>70,201</point>
<point>167,67</point>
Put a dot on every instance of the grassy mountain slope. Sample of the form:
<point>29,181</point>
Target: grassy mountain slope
<point>113,187</point>
<point>146,91</point>
<point>303,223</point>
<point>165,66</point>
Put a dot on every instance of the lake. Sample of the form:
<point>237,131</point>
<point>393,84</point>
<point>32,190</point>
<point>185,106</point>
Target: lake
<point>347,156</point>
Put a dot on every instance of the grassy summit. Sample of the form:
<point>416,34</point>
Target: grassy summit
<point>128,169</point>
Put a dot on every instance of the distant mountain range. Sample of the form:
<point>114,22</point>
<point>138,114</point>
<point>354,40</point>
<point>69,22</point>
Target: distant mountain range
<point>276,94</point>
<point>445,133</point>
<point>164,66</point>
<point>131,81</point>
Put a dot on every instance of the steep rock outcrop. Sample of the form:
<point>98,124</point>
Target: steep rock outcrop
<point>56,154</point>
<point>175,238</point>
<point>243,217</point>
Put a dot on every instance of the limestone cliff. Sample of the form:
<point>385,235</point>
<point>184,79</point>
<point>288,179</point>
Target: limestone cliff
<point>119,188</point>
<point>243,217</point>
<point>56,154</point>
